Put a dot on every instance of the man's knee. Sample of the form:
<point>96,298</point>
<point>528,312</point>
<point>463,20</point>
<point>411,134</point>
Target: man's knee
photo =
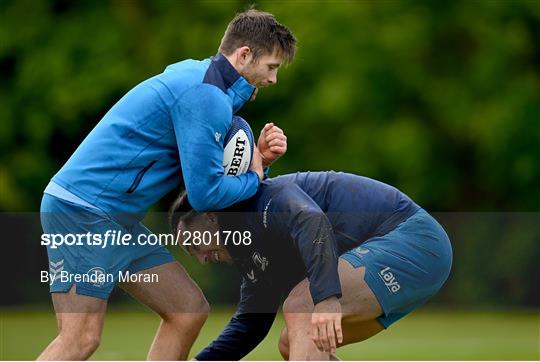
<point>192,311</point>
<point>283,344</point>
<point>192,302</point>
<point>183,320</point>
<point>196,303</point>
<point>90,341</point>
<point>84,339</point>
<point>297,310</point>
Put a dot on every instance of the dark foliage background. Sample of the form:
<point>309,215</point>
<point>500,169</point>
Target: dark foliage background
<point>441,99</point>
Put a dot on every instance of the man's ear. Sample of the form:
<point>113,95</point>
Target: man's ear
<point>179,226</point>
<point>212,217</point>
<point>243,56</point>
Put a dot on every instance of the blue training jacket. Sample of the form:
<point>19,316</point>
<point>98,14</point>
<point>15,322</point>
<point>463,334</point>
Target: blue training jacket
<point>300,224</point>
<point>167,130</point>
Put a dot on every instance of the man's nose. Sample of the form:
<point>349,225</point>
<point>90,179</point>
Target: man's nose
<point>272,79</point>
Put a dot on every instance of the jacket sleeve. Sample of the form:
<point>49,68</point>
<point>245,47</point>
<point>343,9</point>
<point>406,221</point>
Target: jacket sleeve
<point>201,118</point>
<point>293,213</point>
<point>246,329</point>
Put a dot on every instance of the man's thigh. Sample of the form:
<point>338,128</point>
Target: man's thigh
<point>358,302</point>
<point>171,291</point>
<point>359,306</point>
<point>75,312</point>
<point>405,267</point>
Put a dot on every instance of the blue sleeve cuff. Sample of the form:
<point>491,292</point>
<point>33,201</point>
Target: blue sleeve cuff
<point>266,172</point>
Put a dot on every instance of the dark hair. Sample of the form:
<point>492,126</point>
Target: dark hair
<point>181,210</point>
<point>261,32</point>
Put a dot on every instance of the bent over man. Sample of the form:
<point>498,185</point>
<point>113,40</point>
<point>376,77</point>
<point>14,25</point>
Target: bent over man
<point>347,255</point>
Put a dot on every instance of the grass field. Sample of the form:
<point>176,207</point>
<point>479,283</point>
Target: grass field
<point>427,335</point>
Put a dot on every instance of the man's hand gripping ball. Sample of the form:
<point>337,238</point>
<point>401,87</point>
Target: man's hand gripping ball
<point>272,144</point>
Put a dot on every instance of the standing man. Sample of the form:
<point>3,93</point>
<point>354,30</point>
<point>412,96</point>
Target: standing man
<point>166,131</point>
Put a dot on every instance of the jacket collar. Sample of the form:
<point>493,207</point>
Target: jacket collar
<point>231,82</point>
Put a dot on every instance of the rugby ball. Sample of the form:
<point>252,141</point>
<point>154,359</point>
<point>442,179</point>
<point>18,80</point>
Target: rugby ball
<point>238,147</point>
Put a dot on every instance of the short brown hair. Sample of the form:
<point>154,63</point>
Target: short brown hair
<point>261,32</point>
<point>181,210</point>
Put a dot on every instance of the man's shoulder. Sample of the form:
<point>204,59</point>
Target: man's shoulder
<point>185,82</point>
<point>185,70</point>
<point>185,76</point>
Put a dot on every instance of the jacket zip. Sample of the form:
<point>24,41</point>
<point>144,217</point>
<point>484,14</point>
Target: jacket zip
<point>139,177</point>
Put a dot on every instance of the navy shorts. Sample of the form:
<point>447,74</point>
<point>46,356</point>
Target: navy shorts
<point>405,267</point>
<point>95,270</point>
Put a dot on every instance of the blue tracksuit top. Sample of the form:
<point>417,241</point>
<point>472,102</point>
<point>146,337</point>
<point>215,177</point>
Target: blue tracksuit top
<point>167,130</point>
<point>300,224</point>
